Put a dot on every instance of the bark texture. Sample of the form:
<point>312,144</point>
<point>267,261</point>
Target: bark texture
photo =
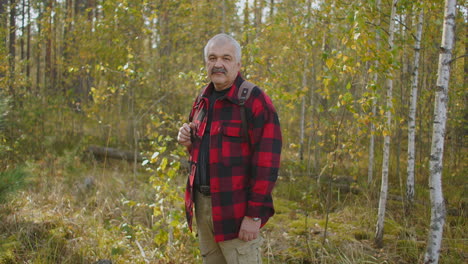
<point>437,148</point>
<point>412,114</point>
<point>386,148</point>
<point>370,167</point>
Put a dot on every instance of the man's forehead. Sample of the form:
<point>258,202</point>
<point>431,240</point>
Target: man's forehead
<point>221,48</point>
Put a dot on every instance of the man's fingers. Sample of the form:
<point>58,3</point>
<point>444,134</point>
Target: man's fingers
<point>244,237</point>
<point>191,125</point>
<point>184,135</point>
<point>247,236</point>
<point>185,129</point>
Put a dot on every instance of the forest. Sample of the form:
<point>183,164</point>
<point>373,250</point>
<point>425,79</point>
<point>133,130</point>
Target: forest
<point>371,94</point>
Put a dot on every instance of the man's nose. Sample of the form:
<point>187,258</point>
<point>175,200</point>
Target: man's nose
<point>218,63</point>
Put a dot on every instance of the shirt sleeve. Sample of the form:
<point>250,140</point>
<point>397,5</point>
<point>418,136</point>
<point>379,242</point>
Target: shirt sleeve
<point>266,141</point>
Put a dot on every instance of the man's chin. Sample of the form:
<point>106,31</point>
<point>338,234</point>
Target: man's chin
<point>218,79</point>
<point>218,75</point>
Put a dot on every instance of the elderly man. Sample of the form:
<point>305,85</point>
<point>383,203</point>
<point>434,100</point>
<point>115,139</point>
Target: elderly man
<point>234,141</point>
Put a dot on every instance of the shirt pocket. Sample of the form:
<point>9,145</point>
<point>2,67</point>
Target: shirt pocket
<point>233,148</point>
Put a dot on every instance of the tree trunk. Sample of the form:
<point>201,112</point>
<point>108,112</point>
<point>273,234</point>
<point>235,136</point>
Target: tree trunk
<point>386,149</point>
<point>303,107</point>
<point>48,56</point>
<point>438,134</point>
<point>412,116</point>
<point>272,8</point>
<point>258,8</point>
<point>39,54</point>
<point>11,46</point>
<point>223,23</point>
<point>23,28</point>
<point>3,24</point>
<point>313,137</point>
<point>106,152</point>
<point>370,166</point>
<point>28,47</point>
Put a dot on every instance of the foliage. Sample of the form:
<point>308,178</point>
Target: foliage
<point>124,74</point>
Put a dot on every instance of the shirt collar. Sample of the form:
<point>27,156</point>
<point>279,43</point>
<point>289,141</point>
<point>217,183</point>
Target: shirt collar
<point>232,94</point>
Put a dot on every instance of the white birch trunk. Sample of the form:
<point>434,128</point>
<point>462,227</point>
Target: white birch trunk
<point>370,167</point>
<point>437,148</point>
<point>386,148</point>
<point>412,114</point>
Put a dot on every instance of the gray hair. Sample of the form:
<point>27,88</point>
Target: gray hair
<point>229,39</point>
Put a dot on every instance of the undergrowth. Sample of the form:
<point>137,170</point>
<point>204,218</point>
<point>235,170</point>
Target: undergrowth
<point>10,182</point>
<point>78,210</point>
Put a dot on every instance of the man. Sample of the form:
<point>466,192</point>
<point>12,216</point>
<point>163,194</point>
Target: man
<point>233,167</point>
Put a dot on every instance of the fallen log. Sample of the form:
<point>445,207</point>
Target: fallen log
<point>113,153</point>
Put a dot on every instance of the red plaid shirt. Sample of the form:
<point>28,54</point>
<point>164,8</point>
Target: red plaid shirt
<point>242,174</point>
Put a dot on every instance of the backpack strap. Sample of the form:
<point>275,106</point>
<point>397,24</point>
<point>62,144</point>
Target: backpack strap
<point>243,94</point>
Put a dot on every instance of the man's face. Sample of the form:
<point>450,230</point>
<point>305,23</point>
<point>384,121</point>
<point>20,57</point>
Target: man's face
<point>222,65</point>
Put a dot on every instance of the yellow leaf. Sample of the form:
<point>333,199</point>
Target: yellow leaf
<point>329,63</point>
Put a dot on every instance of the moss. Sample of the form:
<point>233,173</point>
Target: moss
<point>392,227</point>
<point>361,235</point>
<point>7,247</point>
<point>283,206</point>
<point>7,257</point>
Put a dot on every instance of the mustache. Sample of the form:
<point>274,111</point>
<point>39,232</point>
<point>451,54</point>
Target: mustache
<point>216,70</point>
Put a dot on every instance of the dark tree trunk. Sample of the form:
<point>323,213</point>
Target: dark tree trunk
<point>23,28</point>
<point>11,45</point>
<point>28,46</point>
<point>3,22</point>
<point>38,52</point>
<point>106,152</point>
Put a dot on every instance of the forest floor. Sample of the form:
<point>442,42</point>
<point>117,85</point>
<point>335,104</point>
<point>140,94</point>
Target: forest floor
<point>75,211</point>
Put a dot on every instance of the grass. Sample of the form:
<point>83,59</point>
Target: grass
<point>10,182</point>
<point>64,217</point>
<point>79,211</point>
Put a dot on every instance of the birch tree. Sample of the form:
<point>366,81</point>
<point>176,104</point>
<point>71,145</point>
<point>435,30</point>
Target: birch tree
<point>370,167</point>
<point>386,148</point>
<point>438,133</point>
<point>412,114</point>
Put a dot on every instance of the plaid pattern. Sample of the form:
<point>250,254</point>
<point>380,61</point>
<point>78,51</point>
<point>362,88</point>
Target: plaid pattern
<point>242,175</point>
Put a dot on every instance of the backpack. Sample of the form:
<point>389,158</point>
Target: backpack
<point>243,94</point>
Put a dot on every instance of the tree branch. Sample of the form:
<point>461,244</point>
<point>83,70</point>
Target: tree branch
<point>459,57</point>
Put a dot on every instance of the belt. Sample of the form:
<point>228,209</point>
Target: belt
<point>203,189</point>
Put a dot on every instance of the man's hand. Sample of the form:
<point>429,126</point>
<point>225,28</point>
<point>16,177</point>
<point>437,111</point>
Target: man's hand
<point>184,134</point>
<point>249,229</point>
